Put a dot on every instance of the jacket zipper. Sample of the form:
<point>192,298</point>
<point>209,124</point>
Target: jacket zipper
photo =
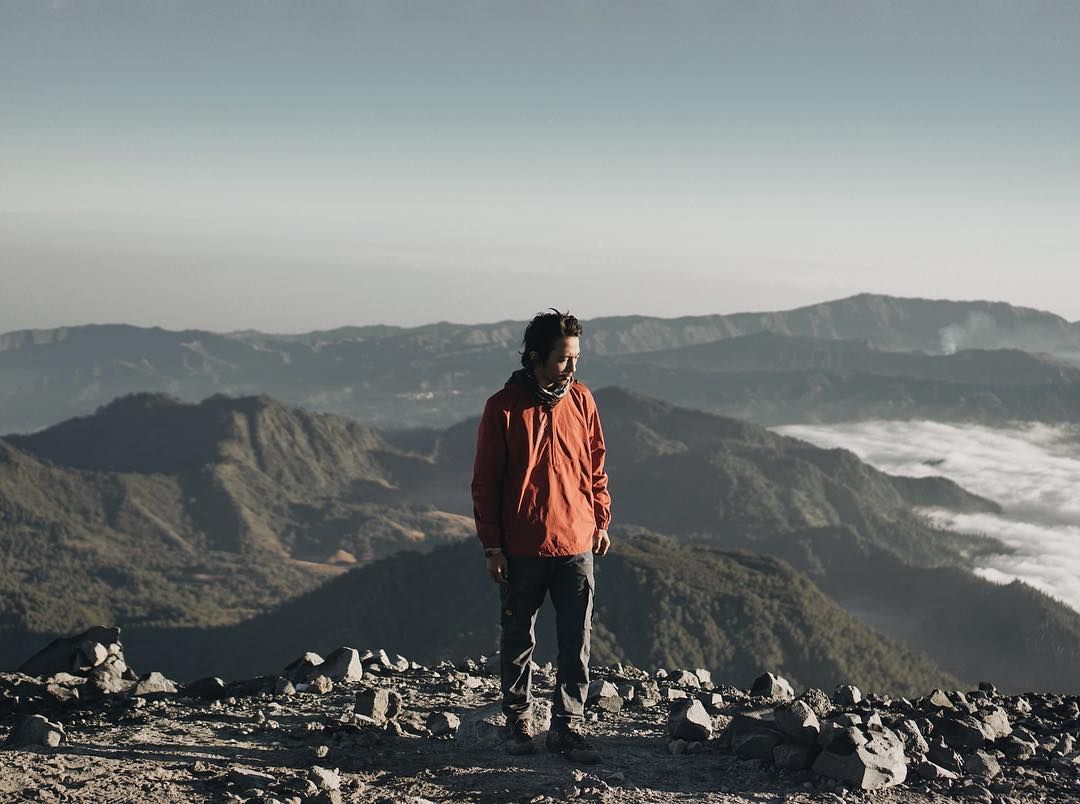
<point>551,436</point>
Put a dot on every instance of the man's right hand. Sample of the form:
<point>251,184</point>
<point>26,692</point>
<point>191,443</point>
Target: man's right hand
<point>496,568</point>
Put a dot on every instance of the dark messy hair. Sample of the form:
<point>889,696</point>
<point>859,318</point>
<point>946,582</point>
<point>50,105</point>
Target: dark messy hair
<point>544,330</point>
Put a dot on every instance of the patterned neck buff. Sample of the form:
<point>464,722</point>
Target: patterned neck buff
<point>545,396</point>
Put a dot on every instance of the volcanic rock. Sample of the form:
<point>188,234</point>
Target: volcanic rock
<point>153,683</point>
<point>798,721</point>
<point>36,730</point>
<point>768,685</point>
<point>689,721</point>
<point>877,761</point>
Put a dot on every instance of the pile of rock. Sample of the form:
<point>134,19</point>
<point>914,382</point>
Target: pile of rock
<point>87,665</point>
<point>946,742</point>
<point>978,744</point>
<point>317,785</point>
<point>69,671</point>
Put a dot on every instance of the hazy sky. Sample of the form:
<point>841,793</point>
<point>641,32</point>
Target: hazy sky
<point>300,165</point>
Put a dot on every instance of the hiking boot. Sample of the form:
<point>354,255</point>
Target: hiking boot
<point>519,739</point>
<point>571,745</point>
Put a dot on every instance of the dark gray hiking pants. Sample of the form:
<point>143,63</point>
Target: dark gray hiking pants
<point>569,580</point>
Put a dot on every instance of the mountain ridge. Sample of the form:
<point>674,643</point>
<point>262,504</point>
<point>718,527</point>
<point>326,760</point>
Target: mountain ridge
<point>435,373</point>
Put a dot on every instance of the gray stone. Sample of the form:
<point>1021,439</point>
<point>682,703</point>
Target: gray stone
<point>62,694</point>
<point>754,746</point>
<point>937,699</point>
<point>247,778</point>
<point>343,665</point>
<point>842,735</point>
<point>210,688</point>
<point>90,655</point>
<point>36,730</point>
<point>961,702</point>
<point>378,703</point>
<point>66,680</point>
<point>995,723</point>
<point>846,719</point>
<point>876,763</point>
<point>960,731</point>
<point>713,701</point>
<point>847,695</point>
<point>647,693</point>
<point>704,677</point>
<point>913,739</point>
<point>153,684</point>
<point>300,671</point>
<point>768,685</point>
<point>599,689</point>
<point>442,724</point>
<point>603,695</point>
<point>928,770</point>
<point>982,764</point>
<point>795,756</point>
<point>684,678</point>
<point>383,659</point>
<point>689,721</point>
<point>817,701</point>
<point>753,734</point>
<point>320,685</point>
<point>798,721</point>
<point>942,754</point>
<point>113,666</point>
<point>1018,749</point>
<point>104,682</point>
<point>324,778</point>
<point>303,788</point>
<point>485,727</point>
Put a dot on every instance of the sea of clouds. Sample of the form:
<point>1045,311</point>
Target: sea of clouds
<point>1031,470</point>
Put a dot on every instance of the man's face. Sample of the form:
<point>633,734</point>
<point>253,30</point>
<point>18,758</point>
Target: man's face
<point>561,362</point>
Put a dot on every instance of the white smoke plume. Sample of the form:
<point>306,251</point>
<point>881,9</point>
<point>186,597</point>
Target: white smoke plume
<point>979,331</point>
<point>1031,470</point>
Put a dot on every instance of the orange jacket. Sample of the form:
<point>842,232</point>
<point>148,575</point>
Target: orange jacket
<point>539,485</point>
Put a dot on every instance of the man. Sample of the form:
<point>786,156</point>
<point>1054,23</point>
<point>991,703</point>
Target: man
<point>542,509</point>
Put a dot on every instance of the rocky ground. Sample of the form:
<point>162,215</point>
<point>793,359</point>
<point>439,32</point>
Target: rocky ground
<point>371,727</point>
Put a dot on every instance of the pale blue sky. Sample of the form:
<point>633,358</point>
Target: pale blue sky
<point>301,165</point>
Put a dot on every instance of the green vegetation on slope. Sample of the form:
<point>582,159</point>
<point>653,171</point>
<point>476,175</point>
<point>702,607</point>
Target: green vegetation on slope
<point>659,603</point>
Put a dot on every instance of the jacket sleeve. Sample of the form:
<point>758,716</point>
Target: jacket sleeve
<point>601,497</point>
<point>488,474</point>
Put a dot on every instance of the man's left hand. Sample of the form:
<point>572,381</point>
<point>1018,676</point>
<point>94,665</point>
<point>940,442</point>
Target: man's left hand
<point>601,543</point>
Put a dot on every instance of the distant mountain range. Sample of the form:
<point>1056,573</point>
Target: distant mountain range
<point>864,356</point>
<point>168,518</point>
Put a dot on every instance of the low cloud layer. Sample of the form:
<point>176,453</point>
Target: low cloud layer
<point>1033,471</point>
